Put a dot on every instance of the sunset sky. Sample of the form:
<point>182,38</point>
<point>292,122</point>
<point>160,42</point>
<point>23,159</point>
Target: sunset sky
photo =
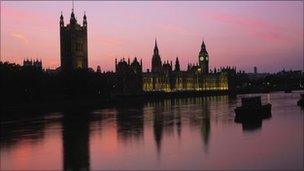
<point>265,34</point>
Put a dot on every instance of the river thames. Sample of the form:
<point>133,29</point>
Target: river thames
<point>185,133</point>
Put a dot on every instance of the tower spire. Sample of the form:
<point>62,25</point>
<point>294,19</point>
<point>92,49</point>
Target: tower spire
<point>155,42</point>
<point>73,20</point>
<point>156,61</point>
<point>155,47</point>
<point>72,5</point>
<point>203,46</point>
<point>84,19</point>
<point>61,20</point>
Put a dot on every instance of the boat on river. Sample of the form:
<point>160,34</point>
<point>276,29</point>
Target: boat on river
<point>252,110</point>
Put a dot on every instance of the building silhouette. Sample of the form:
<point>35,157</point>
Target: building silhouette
<point>76,140</point>
<point>128,76</point>
<point>204,59</point>
<point>73,44</point>
<point>156,60</point>
<point>197,77</point>
<point>32,63</point>
<point>130,123</point>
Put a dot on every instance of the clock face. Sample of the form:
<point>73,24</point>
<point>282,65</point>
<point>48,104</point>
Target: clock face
<point>201,58</point>
<point>207,58</point>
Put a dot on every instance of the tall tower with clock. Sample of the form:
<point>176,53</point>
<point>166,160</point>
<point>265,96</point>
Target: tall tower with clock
<point>203,58</point>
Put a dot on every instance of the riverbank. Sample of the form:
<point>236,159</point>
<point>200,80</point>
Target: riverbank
<point>36,107</point>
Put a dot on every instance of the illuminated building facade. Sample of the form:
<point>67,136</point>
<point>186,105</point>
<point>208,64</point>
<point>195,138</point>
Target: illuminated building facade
<point>196,78</point>
<point>73,44</point>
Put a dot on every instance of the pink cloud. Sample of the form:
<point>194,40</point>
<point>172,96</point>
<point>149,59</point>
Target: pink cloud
<point>258,28</point>
<point>20,37</point>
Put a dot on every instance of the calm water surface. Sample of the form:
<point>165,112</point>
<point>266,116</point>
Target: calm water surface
<point>189,133</point>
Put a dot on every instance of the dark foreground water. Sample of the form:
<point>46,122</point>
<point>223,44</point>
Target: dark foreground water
<point>190,133</point>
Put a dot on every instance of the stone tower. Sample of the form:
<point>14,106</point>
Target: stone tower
<point>73,44</point>
<point>156,60</point>
<point>203,58</point>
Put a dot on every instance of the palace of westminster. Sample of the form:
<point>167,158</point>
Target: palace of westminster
<point>131,79</point>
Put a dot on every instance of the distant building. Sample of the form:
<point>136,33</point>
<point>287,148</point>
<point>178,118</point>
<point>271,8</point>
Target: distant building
<point>32,63</point>
<point>98,70</point>
<point>257,75</point>
<point>129,76</point>
<point>73,44</point>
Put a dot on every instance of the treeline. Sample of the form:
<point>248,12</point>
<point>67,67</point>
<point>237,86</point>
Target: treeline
<point>281,81</point>
<point>29,84</point>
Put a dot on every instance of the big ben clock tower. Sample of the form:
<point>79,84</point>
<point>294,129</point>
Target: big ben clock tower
<point>203,58</point>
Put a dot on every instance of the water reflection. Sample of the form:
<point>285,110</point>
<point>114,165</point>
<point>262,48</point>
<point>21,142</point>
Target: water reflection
<point>158,127</point>
<point>11,133</point>
<point>75,135</point>
<point>205,126</point>
<point>174,135</point>
<point>130,123</point>
<point>22,129</point>
<point>178,122</point>
<point>166,120</point>
<point>169,115</point>
<point>252,125</point>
